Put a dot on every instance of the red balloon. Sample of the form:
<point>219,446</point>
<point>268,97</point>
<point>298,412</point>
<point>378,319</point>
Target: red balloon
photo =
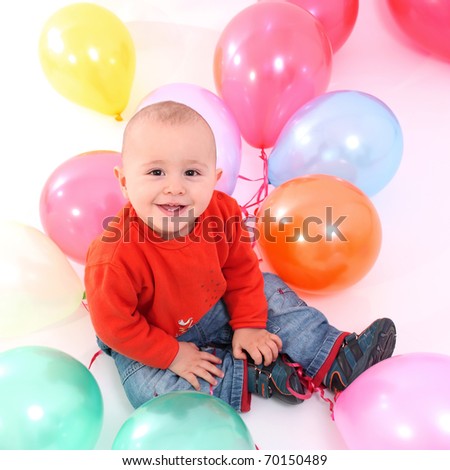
<point>77,199</point>
<point>319,233</point>
<point>426,22</point>
<point>338,17</point>
<point>270,59</point>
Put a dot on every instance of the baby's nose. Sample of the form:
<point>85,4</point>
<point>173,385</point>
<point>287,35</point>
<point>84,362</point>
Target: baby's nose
<point>174,186</point>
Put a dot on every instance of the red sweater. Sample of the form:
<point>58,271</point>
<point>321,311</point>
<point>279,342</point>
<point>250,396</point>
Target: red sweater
<point>144,291</point>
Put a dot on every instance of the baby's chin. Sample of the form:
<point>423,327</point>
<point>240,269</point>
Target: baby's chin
<point>172,234</point>
<point>170,230</point>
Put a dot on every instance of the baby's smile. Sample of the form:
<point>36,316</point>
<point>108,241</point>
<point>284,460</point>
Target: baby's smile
<point>171,209</point>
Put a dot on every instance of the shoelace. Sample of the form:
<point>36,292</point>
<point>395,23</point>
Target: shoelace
<point>309,386</point>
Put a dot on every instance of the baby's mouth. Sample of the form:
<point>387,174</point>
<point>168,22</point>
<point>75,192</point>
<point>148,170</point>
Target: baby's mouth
<point>172,209</point>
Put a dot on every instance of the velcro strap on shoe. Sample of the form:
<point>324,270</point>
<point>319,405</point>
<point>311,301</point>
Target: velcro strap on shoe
<point>262,384</point>
<point>352,342</point>
<point>258,381</point>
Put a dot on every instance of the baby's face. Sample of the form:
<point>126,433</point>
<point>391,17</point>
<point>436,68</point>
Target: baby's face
<point>169,173</point>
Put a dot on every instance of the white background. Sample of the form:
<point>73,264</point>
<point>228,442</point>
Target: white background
<point>175,42</point>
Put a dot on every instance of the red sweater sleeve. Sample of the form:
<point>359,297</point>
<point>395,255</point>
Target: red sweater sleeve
<point>244,296</point>
<point>112,301</point>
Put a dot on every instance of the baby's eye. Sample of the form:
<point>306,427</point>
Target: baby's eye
<point>156,172</point>
<point>191,173</point>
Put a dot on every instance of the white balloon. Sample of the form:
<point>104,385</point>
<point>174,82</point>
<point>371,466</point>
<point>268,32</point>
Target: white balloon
<point>38,285</point>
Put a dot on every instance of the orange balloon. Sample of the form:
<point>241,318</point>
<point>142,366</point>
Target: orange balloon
<point>319,233</point>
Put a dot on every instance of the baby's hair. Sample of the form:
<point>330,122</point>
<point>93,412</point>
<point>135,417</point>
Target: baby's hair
<point>166,112</point>
<point>170,112</point>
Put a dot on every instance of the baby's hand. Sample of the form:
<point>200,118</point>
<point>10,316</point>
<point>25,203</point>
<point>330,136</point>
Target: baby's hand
<point>191,363</point>
<point>259,343</point>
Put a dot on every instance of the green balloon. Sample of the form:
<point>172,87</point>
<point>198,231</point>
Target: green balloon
<point>184,421</point>
<point>48,401</point>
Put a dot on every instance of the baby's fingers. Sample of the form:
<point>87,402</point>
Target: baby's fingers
<point>277,340</point>
<point>206,356</point>
<point>192,379</point>
<point>207,377</point>
<point>213,370</point>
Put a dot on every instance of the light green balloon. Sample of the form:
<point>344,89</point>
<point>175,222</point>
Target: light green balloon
<point>48,400</point>
<point>184,421</point>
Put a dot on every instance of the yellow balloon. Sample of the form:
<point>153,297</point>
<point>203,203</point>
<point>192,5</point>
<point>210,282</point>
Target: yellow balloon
<point>88,56</point>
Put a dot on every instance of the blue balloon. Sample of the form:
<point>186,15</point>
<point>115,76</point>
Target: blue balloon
<point>348,134</point>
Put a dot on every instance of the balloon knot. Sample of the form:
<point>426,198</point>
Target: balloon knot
<point>118,117</point>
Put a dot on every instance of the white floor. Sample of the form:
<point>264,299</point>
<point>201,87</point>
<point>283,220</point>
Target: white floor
<point>409,281</point>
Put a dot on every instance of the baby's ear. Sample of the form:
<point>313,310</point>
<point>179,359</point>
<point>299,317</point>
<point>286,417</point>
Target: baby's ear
<point>118,173</point>
<point>219,173</point>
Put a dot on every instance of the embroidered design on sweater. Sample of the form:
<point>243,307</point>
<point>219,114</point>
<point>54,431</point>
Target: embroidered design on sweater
<point>184,325</point>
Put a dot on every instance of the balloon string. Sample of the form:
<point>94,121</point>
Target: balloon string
<point>94,357</point>
<point>249,179</point>
<point>258,197</point>
<point>310,387</point>
<point>262,191</point>
<point>211,388</point>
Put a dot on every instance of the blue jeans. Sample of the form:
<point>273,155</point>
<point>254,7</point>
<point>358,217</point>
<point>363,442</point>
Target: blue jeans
<point>305,332</point>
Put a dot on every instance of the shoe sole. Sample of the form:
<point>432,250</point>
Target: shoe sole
<point>385,345</point>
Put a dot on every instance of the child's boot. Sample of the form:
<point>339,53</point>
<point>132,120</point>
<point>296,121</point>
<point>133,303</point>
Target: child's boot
<point>359,352</point>
<point>272,380</point>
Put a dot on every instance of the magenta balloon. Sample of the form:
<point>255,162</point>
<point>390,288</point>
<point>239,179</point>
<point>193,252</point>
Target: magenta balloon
<point>426,22</point>
<point>400,403</point>
<point>338,17</point>
<point>270,59</point>
<point>218,116</point>
<point>77,198</point>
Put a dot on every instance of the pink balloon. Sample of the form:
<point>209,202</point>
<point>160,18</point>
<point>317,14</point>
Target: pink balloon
<point>270,59</point>
<point>338,17</point>
<point>77,199</point>
<point>218,116</point>
<point>426,22</point>
<point>400,403</point>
